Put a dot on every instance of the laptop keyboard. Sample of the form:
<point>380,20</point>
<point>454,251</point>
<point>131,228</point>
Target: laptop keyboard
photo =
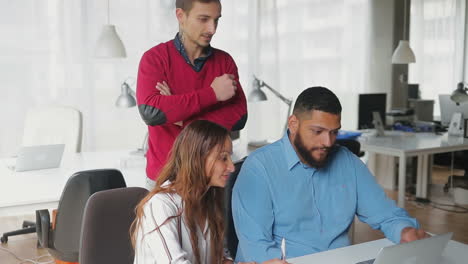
<point>370,261</point>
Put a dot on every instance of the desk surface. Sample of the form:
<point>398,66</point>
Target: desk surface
<point>455,253</point>
<point>24,192</point>
<point>398,143</point>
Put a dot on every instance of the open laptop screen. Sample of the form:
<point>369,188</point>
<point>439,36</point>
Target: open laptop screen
<point>39,157</point>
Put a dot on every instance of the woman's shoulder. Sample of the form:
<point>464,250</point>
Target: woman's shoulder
<point>163,202</point>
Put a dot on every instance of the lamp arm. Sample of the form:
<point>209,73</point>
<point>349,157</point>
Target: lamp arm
<point>280,96</point>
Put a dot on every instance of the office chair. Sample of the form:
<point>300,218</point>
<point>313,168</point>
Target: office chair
<point>460,161</point>
<point>105,236</point>
<point>352,145</point>
<point>54,125</point>
<point>49,125</point>
<point>230,231</point>
<point>61,237</point>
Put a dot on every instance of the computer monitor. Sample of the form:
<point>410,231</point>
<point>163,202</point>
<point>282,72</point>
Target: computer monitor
<point>413,91</point>
<point>369,103</point>
<point>448,107</point>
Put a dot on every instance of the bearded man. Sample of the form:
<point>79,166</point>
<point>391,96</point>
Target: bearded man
<point>306,189</point>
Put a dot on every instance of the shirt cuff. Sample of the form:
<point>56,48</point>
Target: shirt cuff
<point>396,236</point>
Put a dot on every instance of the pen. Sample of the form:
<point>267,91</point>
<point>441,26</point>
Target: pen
<point>283,249</point>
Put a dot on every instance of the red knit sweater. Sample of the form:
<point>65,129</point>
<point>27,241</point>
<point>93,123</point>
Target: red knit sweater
<point>192,98</point>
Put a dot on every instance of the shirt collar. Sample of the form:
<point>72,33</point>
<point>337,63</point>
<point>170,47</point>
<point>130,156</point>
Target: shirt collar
<point>290,153</point>
<point>180,47</point>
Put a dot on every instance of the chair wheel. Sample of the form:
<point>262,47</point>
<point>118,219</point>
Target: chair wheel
<point>4,239</point>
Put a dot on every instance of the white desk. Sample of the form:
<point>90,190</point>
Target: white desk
<point>455,253</point>
<point>403,145</point>
<point>25,192</point>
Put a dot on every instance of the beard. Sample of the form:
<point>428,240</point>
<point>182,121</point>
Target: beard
<point>306,154</point>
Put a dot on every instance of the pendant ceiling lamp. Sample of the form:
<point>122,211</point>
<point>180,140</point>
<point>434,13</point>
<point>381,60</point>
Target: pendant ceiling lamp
<point>403,54</point>
<point>109,44</point>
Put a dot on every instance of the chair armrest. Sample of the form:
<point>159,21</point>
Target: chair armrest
<point>43,227</point>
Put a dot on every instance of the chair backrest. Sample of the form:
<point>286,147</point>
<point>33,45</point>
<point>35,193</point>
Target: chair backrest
<point>65,238</point>
<point>105,236</point>
<point>231,236</point>
<point>352,145</point>
<point>54,125</point>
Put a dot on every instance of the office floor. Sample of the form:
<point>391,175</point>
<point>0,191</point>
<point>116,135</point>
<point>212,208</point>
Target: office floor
<point>433,220</point>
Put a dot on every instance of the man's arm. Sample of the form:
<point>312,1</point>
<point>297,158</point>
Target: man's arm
<point>378,210</point>
<point>232,114</point>
<point>253,216</point>
<point>156,109</point>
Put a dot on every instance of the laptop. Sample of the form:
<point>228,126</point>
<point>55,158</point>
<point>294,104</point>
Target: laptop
<point>424,251</point>
<point>39,157</point>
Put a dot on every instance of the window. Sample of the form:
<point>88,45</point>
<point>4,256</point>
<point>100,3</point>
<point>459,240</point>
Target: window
<point>437,39</point>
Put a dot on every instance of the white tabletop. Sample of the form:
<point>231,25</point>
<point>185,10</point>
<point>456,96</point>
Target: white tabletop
<point>397,143</point>
<point>33,189</point>
<point>25,192</point>
<point>403,145</point>
<point>455,253</point>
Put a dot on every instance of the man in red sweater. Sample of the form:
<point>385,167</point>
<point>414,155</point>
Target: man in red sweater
<point>186,79</point>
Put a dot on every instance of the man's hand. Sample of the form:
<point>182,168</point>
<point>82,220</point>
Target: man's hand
<point>165,90</point>
<point>409,234</point>
<point>224,87</point>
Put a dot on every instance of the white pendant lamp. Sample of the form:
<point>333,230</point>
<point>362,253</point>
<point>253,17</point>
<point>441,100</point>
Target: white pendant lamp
<point>403,54</point>
<point>109,44</point>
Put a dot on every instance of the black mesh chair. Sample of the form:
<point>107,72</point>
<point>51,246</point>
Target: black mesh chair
<point>353,145</point>
<point>105,236</point>
<point>62,236</point>
<point>231,236</point>
<point>460,161</point>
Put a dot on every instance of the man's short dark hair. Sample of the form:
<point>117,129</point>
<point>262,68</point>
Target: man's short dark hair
<point>317,98</point>
<point>186,5</point>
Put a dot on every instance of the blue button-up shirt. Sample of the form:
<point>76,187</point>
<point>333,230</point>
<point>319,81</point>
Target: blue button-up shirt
<point>198,62</point>
<point>277,196</point>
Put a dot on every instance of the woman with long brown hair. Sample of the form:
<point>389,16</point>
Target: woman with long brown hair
<point>181,220</point>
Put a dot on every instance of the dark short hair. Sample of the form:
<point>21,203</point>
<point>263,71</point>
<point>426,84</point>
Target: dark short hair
<point>186,5</point>
<point>317,98</point>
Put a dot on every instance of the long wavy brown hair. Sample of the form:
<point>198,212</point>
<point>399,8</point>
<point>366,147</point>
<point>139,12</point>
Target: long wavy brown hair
<point>185,170</point>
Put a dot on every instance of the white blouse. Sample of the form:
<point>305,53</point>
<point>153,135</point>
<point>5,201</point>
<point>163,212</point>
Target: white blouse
<point>162,245</point>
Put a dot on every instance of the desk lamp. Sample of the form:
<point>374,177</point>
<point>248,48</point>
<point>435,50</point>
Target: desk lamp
<point>460,96</point>
<point>126,100</point>
<point>257,95</point>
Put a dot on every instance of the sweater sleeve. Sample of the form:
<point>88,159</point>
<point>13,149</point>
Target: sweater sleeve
<point>159,245</point>
<point>156,109</point>
<point>231,114</point>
